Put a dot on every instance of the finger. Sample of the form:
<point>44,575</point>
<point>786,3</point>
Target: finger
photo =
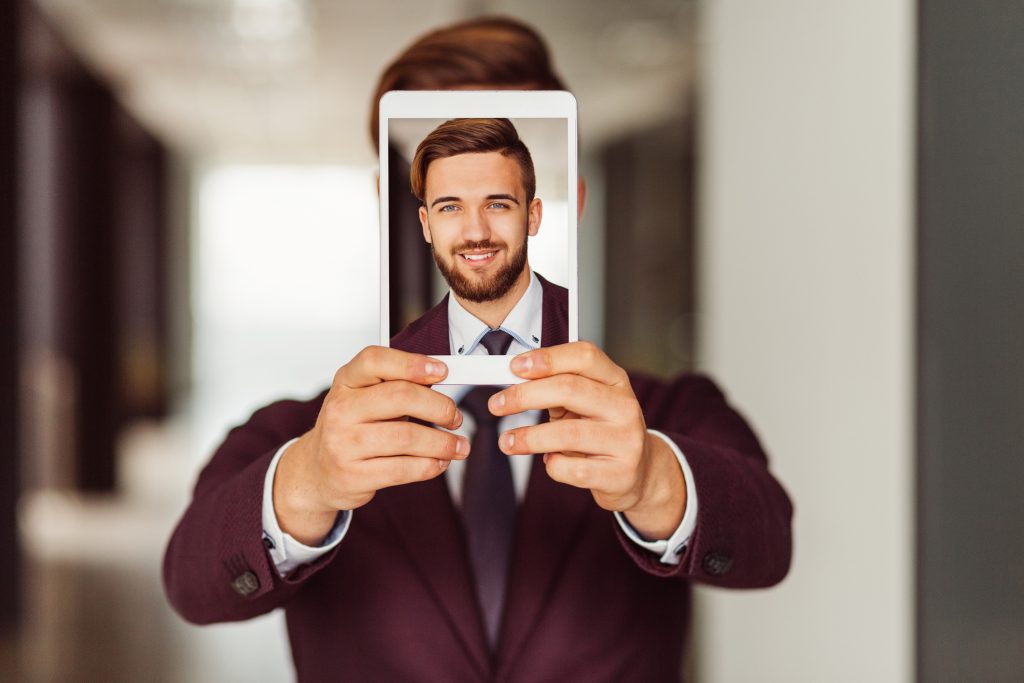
<point>375,364</point>
<point>581,436</point>
<point>378,439</point>
<point>593,473</point>
<point>577,358</point>
<point>580,395</point>
<point>400,398</point>
<point>378,473</point>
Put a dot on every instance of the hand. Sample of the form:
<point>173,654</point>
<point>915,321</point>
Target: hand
<point>596,437</point>
<point>362,442</point>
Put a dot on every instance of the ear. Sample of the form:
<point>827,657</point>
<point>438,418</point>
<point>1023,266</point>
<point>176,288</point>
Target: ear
<point>581,197</point>
<point>534,216</point>
<point>424,224</point>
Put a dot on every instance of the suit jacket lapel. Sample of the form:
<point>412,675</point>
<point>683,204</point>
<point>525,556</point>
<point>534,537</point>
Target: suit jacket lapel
<point>427,523</point>
<point>547,530</point>
<point>431,529</point>
<point>549,520</point>
<point>428,526</point>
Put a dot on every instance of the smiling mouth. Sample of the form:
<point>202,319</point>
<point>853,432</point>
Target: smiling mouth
<point>477,258</point>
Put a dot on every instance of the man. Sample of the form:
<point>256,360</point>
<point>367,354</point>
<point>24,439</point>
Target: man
<point>475,181</point>
<point>377,559</point>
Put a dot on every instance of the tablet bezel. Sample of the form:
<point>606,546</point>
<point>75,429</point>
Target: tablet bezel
<point>449,104</point>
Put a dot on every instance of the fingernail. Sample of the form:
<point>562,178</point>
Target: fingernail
<point>434,369</point>
<point>508,440</point>
<point>443,464</point>
<point>458,419</point>
<point>461,446</point>
<point>498,400</point>
<point>522,363</point>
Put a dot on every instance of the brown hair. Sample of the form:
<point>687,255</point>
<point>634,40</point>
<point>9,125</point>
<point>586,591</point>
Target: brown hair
<point>486,52</point>
<point>467,136</point>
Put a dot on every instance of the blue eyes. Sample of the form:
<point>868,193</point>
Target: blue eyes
<point>449,208</point>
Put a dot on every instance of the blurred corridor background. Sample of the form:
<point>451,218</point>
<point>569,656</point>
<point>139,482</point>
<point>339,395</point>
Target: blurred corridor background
<point>826,197</point>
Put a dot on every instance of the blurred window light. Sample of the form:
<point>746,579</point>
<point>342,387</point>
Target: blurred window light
<point>286,278</point>
<point>268,19</point>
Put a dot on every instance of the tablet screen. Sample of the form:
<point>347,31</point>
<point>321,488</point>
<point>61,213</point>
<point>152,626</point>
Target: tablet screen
<point>492,200</point>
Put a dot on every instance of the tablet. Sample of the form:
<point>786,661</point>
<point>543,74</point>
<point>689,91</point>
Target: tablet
<point>474,211</point>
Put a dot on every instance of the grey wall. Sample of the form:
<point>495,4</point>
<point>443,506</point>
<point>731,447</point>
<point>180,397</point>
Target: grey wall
<point>805,300</point>
<point>971,342</point>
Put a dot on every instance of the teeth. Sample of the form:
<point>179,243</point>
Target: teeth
<point>478,257</point>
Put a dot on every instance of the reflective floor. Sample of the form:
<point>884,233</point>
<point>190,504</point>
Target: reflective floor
<point>94,605</point>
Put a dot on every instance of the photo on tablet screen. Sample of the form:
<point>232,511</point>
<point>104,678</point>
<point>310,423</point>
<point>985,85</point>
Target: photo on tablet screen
<point>487,200</point>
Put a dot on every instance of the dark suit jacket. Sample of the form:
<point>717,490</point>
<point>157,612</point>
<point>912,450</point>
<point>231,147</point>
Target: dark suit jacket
<point>395,601</point>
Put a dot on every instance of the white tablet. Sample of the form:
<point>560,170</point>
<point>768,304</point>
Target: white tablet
<point>497,221</point>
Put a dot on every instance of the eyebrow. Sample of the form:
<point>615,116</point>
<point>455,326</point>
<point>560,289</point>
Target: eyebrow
<point>489,197</point>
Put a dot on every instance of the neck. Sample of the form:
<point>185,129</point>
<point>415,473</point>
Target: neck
<point>493,313</point>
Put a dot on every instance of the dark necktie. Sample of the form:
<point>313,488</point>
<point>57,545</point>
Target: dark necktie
<point>488,499</point>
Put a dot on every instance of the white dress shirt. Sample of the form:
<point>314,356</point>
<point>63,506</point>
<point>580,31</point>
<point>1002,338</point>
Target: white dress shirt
<point>523,323</point>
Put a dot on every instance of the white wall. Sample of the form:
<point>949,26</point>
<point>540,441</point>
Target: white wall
<point>806,277</point>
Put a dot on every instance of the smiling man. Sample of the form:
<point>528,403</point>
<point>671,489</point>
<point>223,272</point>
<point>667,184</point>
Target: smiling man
<point>476,185</point>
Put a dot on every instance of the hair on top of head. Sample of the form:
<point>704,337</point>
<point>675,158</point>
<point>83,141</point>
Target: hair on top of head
<point>468,136</point>
<point>487,52</point>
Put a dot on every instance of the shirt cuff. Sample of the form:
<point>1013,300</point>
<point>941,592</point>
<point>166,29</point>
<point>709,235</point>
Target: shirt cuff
<point>672,548</point>
<point>285,551</point>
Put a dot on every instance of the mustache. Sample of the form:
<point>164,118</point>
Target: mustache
<point>481,245</point>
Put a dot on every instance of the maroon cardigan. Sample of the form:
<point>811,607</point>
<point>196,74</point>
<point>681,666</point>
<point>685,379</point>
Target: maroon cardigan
<point>395,600</point>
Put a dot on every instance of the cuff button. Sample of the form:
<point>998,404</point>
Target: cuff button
<point>246,584</point>
<point>716,564</point>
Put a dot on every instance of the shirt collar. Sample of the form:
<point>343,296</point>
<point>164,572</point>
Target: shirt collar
<point>523,322</point>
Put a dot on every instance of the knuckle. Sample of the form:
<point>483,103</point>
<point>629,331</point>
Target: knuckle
<point>441,442</point>
<point>588,352</point>
<point>429,468</point>
<point>401,438</point>
<point>372,356</point>
<point>363,356</point>
<point>332,402</point>
<point>351,441</point>
<point>513,395</point>
<point>580,471</point>
<point>522,441</point>
<point>566,383</point>
<point>448,410</point>
<point>553,466</point>
<point>572,431</point>
<point>398,392</point>
<point>448,442</point>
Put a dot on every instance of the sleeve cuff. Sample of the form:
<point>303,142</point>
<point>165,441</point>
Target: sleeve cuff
<point>285,551</point>
<point>670,549</point>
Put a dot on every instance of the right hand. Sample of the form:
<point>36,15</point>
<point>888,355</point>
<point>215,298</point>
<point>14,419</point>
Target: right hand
<point>362,442</point>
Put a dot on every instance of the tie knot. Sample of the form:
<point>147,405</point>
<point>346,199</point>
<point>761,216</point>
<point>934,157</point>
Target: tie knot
<point>475,403</point>
<point>496,342</point>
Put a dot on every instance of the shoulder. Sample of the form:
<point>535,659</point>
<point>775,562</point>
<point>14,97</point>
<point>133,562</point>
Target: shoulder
<point>424,330</point>
<point>281,420</point>
<point>684,394</point>
<point>553,294</point>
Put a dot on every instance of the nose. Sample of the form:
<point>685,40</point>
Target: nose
<point>476,227</point>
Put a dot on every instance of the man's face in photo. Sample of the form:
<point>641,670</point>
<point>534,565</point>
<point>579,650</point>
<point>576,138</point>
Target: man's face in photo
<point>477,219</point>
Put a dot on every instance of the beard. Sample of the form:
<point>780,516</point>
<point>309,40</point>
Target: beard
<point>490,288</point>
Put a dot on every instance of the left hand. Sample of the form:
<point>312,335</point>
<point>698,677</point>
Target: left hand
<point>596,437</point>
